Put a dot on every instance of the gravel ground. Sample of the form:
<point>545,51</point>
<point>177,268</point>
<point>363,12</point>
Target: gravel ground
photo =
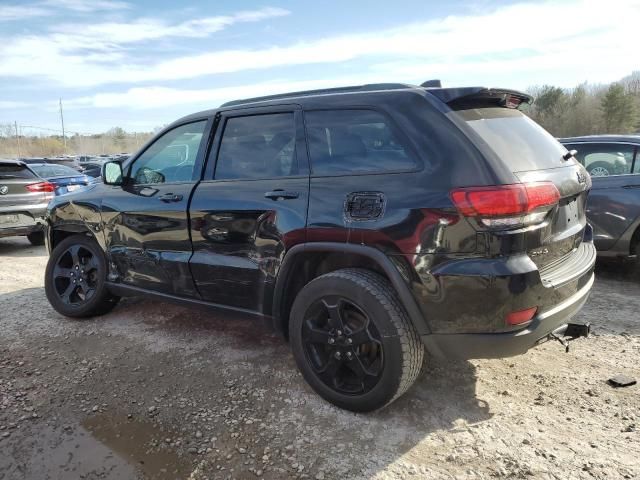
<point>159,391</point>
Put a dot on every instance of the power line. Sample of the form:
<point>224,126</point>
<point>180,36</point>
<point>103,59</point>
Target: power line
<point>64,137</point>
<point>17,138</point>
<point>57,130</point>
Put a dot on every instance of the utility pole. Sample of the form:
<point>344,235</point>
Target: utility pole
<point>64,138</point>
<point>15,124</point>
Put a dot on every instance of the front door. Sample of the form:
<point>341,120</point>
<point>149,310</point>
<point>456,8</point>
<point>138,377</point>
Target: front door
<point>146,219</point>
<point>251,207</point>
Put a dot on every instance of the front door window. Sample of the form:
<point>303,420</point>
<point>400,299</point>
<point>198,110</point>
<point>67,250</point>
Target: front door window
<point>171,158</point>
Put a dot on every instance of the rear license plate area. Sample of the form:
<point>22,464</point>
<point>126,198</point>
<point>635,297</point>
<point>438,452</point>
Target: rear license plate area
<point>9,219</point>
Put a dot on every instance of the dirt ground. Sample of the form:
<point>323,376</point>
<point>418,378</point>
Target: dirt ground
<point>158,391</point>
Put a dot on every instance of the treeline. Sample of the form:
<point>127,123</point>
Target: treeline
<point>111,142</point>
<point>588,109</point>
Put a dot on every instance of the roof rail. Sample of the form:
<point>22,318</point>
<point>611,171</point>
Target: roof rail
<point>325,91</point>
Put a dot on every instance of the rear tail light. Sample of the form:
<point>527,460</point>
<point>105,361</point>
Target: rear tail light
<point>507,206</point>
<point>521,317</point>
<point>41,187</point>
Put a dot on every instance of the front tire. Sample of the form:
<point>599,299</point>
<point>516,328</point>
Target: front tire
<point>353,341</point>
<point>75,278</point>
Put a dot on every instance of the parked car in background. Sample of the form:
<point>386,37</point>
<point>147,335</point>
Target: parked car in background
<point>31,160</point>
<point>91,169</point>
<point>365,223</point>
<point>23,200</point>
<point>65,179</point>
<point>613,161</point>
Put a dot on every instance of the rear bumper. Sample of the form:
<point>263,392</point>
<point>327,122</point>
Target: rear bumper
<point>19,231</point>
<point>499,345</point>
<point>29,218</point>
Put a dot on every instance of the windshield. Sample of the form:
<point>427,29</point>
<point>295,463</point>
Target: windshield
<point>515,138</point>
<point>48,171</point>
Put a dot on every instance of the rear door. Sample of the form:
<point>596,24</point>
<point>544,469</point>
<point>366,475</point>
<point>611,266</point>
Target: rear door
<point>614,202</point>
<point>251,207</point>
<point>533,155</point>
<point>146,219</point>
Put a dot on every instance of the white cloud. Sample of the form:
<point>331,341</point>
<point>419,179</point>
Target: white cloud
<point>13,104</point>
<point>87,5</point>
<point>19,12</point>
<point>163,97</point>
<point>527,36</point>
<point>109,35</point>
<point>54,7</point>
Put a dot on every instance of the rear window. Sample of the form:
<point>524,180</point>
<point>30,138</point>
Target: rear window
<point>354,141</point>
<point>54,171</point>
<point>519,141</point>
<point>10,171</point>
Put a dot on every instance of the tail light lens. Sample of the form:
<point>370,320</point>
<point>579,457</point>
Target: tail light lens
<point>521,317</point>
<point>507,206</point>
<point>46,187</point>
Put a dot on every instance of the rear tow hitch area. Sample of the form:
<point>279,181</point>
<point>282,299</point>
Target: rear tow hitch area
<point>570,332</point>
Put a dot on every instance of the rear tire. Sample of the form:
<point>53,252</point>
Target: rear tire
<point>36,238</point>
<point>75,278</point>
<point>633,266</point>
<point>353,341</point>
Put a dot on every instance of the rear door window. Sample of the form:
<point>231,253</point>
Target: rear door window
<point>354,141</point>
<point>10,171</point>
<point>519,141</point>
<point>604,159</point>
<point>258,146</point>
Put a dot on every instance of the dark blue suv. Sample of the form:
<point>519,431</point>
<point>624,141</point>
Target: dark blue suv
<point>613,161</point>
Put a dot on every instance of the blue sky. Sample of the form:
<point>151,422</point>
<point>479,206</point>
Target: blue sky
<point>142,64</point>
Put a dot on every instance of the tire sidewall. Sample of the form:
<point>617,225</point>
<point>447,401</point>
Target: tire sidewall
<point>388,384</point>
<point>88,308</point>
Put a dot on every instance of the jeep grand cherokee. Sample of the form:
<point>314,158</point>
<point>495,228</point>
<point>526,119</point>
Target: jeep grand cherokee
<point>365,223</point>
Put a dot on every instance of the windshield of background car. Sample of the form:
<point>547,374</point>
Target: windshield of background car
<point>519,141</point>
<point>48,171</point>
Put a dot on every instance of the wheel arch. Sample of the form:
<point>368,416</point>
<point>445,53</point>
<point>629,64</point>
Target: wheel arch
<point>304,262</point>
<point>57,233</point>
<point>626,243</point>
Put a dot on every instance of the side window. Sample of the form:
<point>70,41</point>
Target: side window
<point>258,146</point>
<point>604,159</point>
<point>346,141</point>
<point>171,157</point>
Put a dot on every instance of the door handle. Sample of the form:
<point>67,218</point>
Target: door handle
<point>170,197</point>
<point>276,194</point>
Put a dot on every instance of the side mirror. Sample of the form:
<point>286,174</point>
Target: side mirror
<point>112,173</point>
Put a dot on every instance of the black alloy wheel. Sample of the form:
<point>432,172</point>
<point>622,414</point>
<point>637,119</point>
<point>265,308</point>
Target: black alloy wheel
<point>343,345</point>
<point>353,341</point>
<point>75,278</point>
<point>75,275</point>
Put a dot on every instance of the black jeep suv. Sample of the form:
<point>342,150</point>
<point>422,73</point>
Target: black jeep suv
<point>364,223</point>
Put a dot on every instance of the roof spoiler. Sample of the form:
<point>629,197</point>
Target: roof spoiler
<point>474,97</point>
